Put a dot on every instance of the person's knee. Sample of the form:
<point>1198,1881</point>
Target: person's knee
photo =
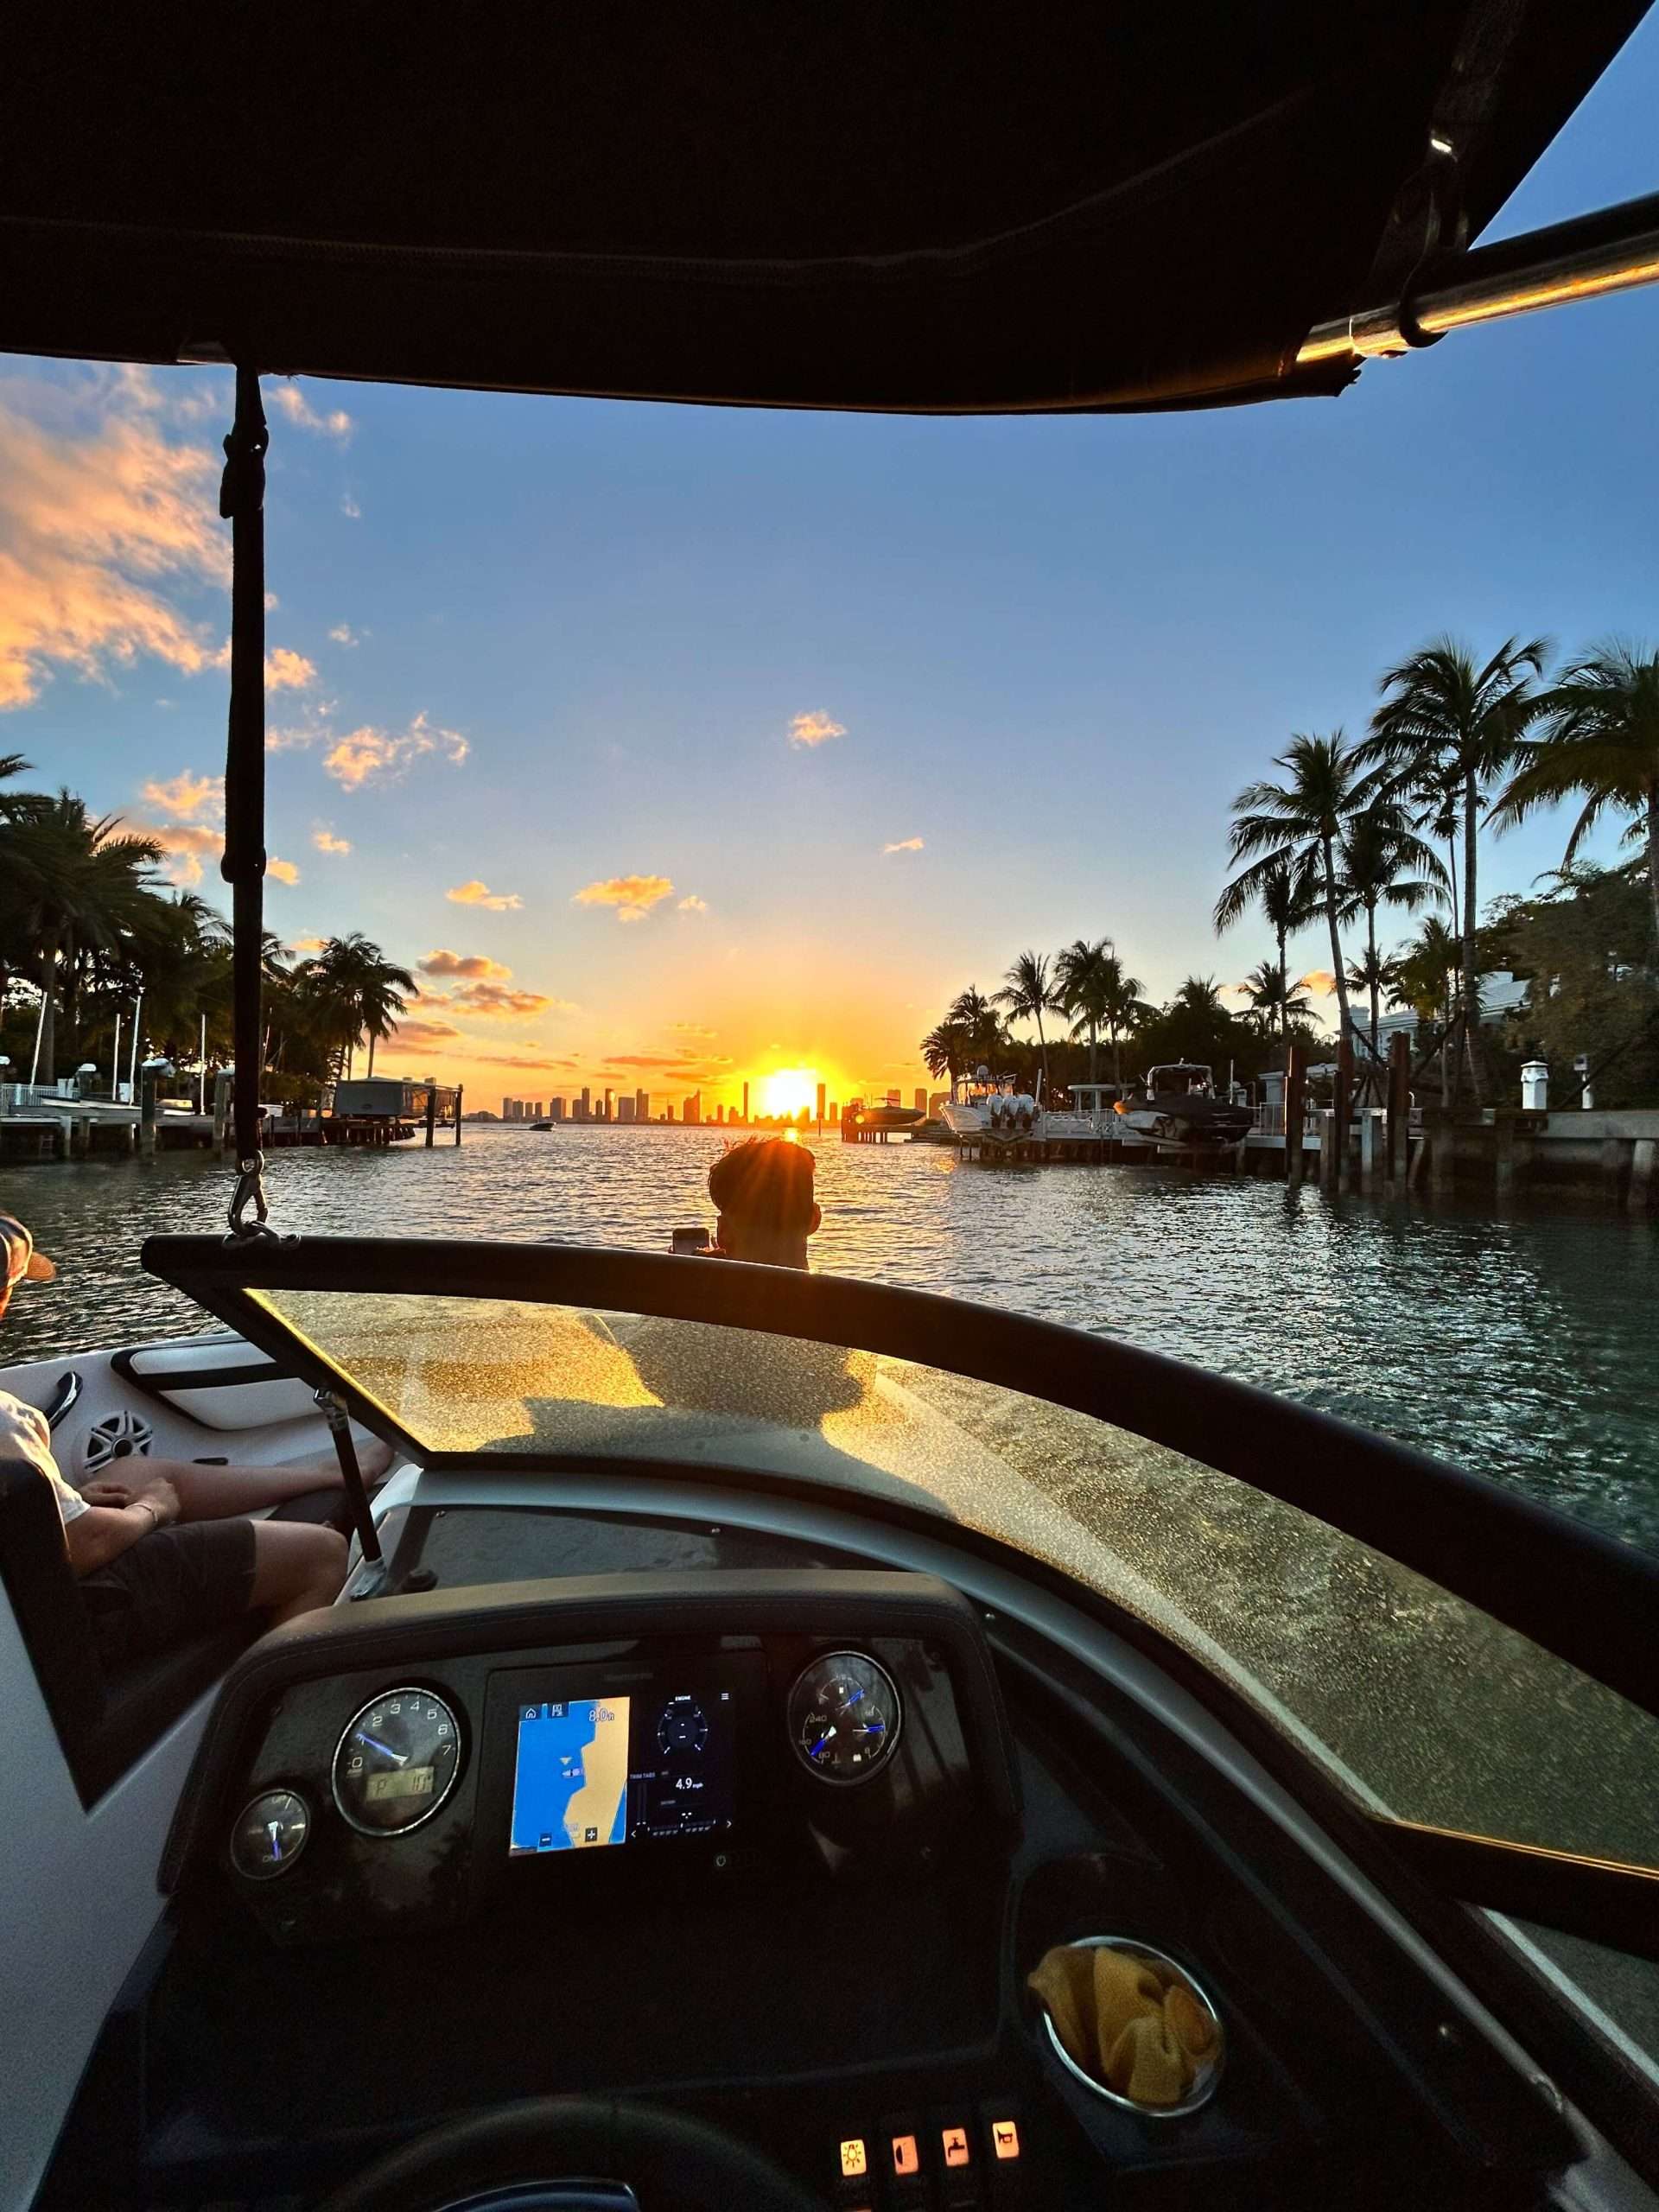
<point>329,1555</point>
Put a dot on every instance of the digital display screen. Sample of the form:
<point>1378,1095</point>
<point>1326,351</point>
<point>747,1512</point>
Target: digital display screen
<point>405,1782</point>
<point>591,1772</point>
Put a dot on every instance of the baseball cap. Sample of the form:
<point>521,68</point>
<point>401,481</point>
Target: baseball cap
<point>22,1263</point>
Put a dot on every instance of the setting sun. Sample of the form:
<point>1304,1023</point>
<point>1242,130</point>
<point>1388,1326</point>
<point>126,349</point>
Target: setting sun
<point>790,1090</point>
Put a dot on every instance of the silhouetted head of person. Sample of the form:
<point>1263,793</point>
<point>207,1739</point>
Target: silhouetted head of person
<point>763,1193</point>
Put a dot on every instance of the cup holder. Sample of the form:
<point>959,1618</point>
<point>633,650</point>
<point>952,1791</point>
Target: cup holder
<point>1162,2032</point>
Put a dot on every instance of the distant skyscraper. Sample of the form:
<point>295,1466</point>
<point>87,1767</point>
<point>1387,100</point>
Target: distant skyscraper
<point>607,1115</point>
<point>820,1095</point>
<point>625,1107</point>
<point>556,1110</point>
<point>939,1098</point>
<point>719,1114</point>
<point>746,1101</point>
<point>692,1111</point>
<point>921,1100</point>
<point>668,1110</point>
<point>834,1112</point>
<point>506,1109</point>
<point>584,1106</point>
<point>642,1105</point>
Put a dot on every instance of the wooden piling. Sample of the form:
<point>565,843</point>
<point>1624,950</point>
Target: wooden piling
<point>1295,1088</point>
<point>1398,1110</point>
<point>147,1112</point>
<point>431,1114</point>
<point>459,1094</point>
<point>221,1106</point>
<point>1342,1116</point>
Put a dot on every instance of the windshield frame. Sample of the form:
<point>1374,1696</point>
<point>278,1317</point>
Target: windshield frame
<point>1571,1590</point>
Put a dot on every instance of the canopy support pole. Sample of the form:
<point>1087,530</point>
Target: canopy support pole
<point>242,502</point>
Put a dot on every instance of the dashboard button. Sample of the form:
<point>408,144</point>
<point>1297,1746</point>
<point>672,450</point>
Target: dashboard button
<point>855,2158</point>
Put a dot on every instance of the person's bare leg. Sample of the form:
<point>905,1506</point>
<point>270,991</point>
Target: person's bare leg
<point>298,1568</point>
<point>217,1493</point>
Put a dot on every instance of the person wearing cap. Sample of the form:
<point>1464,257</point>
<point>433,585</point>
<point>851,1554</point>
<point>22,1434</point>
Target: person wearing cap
<point>162,1558</point>
<point>762,1192</point>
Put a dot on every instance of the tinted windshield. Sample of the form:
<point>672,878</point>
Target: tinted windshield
<point>1416,1702</point>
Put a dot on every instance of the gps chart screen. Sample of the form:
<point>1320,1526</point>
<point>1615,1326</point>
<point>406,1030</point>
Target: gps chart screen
<point>570,1786</point>
<point>589,1771</point>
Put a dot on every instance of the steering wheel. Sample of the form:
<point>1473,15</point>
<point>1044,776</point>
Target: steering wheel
<point>581,2154</point>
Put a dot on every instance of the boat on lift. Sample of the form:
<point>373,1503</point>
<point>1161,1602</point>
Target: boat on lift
<point>1175,1110</point>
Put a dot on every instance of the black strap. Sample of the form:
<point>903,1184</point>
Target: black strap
<point>242,501</point>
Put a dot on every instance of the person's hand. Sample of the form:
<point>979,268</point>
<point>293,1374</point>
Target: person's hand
<point>160,1493</point>
<point>104,1492</point>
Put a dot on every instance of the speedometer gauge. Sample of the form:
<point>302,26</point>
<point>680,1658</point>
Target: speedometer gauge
<point>844,1716</point>
<point>396,1762</point>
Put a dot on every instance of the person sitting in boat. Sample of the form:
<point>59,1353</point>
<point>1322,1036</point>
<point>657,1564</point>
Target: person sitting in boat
<point>167,1553</point>
<point>762,1194</point>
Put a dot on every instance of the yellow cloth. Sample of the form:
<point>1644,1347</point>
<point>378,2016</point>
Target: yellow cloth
<point>1130,2024</point>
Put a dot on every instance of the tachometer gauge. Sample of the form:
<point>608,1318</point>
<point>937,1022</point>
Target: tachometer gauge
<point>396,1762</point>
<point>844,1716</point>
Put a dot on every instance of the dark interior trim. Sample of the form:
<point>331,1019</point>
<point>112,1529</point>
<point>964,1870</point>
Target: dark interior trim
<point>1566,1587</point>
<point>1596,1898</point>
<point>162,1387</point>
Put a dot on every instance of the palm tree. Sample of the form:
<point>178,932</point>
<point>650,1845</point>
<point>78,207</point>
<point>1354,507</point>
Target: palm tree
<point>1274,1005</point>
<point>75,883</point>
<point>1081,980</point>
<point>1379,847</point>
<point>1288,897</point>
<point>1028,993</point>
<point>353,987</point>
<point>1446,727</point>
<point>1298,823</point>
<point>1123,1010</point>
<point>1600,742</point>
<point>1423,977</point>
<point>947,1051</point>
<point>975,1015</point>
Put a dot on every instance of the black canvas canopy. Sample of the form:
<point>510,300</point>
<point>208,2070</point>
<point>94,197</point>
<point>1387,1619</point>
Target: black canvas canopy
<point>856,206</point>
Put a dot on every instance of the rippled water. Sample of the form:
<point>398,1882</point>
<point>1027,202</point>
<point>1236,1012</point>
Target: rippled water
<point>1520,1346</point>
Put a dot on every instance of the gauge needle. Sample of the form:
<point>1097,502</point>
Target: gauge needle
<point>402,1757</point>
<point>819,1746</point>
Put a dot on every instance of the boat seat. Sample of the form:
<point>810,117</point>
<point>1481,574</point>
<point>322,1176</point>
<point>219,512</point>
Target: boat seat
<point>106,1718</point>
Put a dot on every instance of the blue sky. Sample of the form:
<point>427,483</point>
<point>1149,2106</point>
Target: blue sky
<point>1053,650</point>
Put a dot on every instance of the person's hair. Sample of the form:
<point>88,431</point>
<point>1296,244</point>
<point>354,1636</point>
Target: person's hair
<point>767,1183</point>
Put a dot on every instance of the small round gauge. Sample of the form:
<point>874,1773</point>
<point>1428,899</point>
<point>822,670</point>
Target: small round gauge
<point>269,1834</point>
<point>396,1762</point>
<point>683,1727</point>
<point>844,1717</point>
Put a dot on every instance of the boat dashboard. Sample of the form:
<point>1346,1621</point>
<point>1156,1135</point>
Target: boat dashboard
<point>768,1852</point>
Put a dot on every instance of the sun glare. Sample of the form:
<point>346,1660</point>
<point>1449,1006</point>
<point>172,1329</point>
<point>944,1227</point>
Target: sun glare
<point>786,1091</point>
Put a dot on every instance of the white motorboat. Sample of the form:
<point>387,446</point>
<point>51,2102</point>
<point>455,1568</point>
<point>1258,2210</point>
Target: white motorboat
<point>1175,1110</point>
<point>785,1741</point>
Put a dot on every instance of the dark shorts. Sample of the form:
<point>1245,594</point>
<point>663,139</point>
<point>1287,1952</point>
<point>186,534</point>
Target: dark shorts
<point>171,1585</point>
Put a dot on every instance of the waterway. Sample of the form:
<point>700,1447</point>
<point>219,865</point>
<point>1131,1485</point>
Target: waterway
<point>1520,1345</point>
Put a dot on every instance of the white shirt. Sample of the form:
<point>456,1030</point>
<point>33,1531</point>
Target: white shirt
<point>24,1435</point>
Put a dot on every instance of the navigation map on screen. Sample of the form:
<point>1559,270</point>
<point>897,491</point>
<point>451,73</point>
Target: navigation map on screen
<point>570,1787</point>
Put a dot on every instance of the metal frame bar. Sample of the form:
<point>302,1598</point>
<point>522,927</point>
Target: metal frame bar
<point>1616,249</point>
<point>1566,1587</point>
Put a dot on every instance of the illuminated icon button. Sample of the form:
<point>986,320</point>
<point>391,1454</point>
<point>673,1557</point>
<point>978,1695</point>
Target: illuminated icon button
<point>906,2156</point>
<point>1005,2138</point>
<point>953,2141</point>
<point>854,2159</point>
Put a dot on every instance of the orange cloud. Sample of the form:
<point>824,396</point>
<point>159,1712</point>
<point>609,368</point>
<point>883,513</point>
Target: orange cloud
<point>632,896</point>
<point>1321,980</point>
<point>904,845</point>
<point>692,1029</point>
<point>100,517</point>
<point>185,846</point>
<point>476,965</point>
<point>478,894</point>
<point>370,755</point>
<point>693,904</point>
<point>425,1033</point>
<point>187,795</point>
<point>293,403</point>
<point>284,871</point>
<point>287,671</point>
<point>308,944</point>
<point>326,842</point>
<point>504,1005</point>
<point>815,728</point>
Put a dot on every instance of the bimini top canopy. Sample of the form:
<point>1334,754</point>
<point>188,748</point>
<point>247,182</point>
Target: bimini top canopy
<point>1098,205</point>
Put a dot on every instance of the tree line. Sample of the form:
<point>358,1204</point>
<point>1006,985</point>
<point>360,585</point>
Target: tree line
<point>87,924</point>
<point>1456,746</point>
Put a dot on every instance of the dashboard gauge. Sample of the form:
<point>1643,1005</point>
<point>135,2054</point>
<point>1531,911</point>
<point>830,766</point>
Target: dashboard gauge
<point>844,1716</point>
<point>683,1727</point>
<point>269,1834</point>
<point>396,1762</point>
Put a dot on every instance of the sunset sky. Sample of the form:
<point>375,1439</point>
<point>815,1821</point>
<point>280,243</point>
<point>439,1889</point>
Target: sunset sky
<point>675,744</point>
